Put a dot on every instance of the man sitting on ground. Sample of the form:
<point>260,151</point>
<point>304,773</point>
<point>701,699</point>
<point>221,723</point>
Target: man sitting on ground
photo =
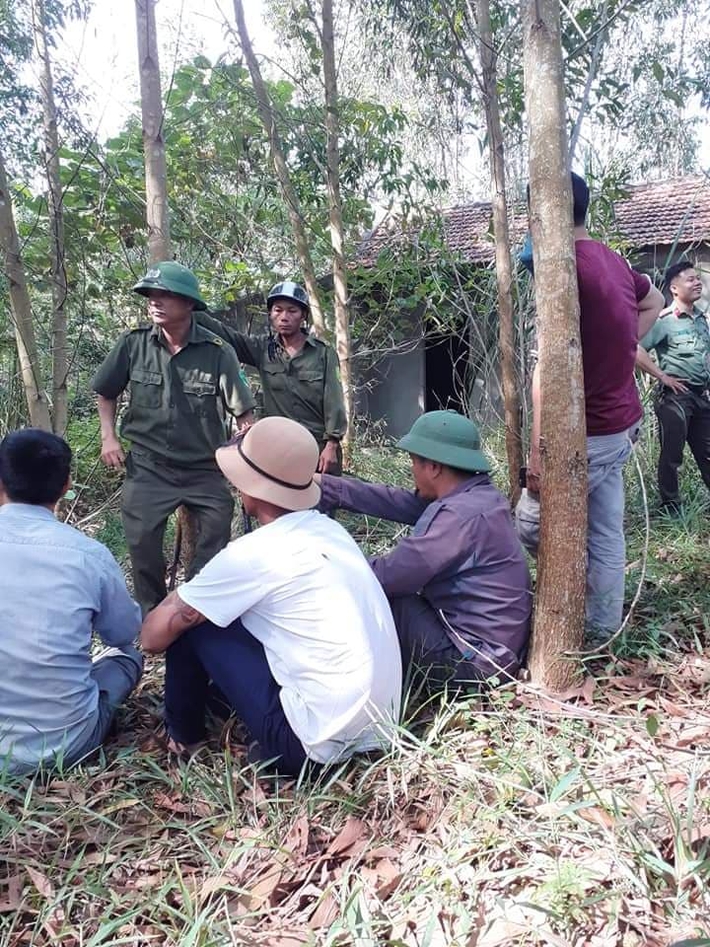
<point>458,585</point>
<point>56,587</point>
<point>287,624</point>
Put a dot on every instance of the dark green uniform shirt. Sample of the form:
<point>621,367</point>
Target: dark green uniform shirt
<point>682,344</point>
<point>179,403</point>
<point>305,388</point>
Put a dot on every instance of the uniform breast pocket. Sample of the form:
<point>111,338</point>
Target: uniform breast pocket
<point>273,376</point>
<point>200,395</point>
<point>146,388</point>
<point>310,385</point>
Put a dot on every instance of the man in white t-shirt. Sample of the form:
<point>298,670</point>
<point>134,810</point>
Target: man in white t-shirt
<point>289,622</point>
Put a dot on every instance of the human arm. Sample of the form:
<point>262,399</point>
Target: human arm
<point>111,451</point>
<point>247,347</point>
<point>417,559</point>
<point>334,415</point>
<point>535,458</point>
<point>117,620</point>
<point>649,305</point>
<point>109,382</point>
<point>234,387</point>
<point>166,622</point>
<point>372,499</point>
<point>646,363</point>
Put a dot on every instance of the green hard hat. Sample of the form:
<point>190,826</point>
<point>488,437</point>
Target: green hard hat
<point>173,278</point>
<point>448,438</point>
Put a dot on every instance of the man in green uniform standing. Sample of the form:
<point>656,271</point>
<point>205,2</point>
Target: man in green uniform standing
<point>184,382</point>
<point>299,373</point>
<point>681,339</point>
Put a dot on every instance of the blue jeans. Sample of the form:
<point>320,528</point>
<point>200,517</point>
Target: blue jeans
<point>117,672</point>
<point>234,661</point>
<point>606,544</point>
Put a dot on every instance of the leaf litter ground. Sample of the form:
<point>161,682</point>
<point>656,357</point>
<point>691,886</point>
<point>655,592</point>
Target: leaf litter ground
<point>521,818</point>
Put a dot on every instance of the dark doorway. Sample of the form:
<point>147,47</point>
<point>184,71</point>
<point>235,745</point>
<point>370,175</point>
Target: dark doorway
<point>446,372</point>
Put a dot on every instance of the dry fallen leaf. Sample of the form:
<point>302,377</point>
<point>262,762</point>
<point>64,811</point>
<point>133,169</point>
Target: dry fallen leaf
<point>597,815</point>
<point>327,910</point>
<point>352,832</point>
<point>13,898</point>
<point>41,882</point>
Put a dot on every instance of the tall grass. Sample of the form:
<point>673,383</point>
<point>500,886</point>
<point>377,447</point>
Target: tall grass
<point>517,818</point>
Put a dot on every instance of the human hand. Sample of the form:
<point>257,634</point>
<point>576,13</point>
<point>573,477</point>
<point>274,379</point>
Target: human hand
<point>112,452</point>
<point>675,384</point>
<point>328,462</point>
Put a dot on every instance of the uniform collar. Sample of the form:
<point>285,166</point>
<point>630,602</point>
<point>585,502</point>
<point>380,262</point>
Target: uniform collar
<point>196,333</point>
<point>309,339</point>
<point>682,314</point>
<point>475,480</point>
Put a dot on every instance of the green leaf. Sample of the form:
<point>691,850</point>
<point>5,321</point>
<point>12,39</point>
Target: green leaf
<point>563,785</point>
<point>652,725</point>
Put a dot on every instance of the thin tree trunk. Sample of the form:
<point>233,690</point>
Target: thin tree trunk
<point>504,264</point>
<point>156,186</point>
<point>335,211</point>
<point>156,193</point>
<point>591,75</point>
<point>21,311</point>
<point>60,350</point>
<point>266,114</point>
<point>559,615</point>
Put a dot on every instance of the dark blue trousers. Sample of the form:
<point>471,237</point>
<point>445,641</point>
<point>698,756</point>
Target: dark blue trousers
<point>235,663</point>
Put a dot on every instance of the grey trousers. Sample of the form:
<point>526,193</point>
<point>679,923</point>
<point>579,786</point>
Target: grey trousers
<point>117,672</point>
<point>606,544</point>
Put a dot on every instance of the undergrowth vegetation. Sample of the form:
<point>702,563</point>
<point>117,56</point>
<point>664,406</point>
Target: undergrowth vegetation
<point>516,818</point>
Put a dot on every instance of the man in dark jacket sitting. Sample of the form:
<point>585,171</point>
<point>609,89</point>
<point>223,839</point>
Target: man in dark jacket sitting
<point>459,585</point>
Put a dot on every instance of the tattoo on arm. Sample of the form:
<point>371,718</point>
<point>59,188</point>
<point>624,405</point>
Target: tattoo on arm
<point>181,616</point>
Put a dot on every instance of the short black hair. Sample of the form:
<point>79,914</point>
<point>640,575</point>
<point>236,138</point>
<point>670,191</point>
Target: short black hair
<point>34,466</point>
<point>580,197</point>
<point>680,267</point>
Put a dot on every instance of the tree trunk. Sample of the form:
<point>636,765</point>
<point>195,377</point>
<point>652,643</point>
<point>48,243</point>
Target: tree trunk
<point>591,76</point>
<point>504,264</point>
<point>266,114</point>
<point>156,187</point>
<point>21,311</point>
<point>156,193</point>
<point>559,614</point>
<point>60,351</point>
<point>335,211</point>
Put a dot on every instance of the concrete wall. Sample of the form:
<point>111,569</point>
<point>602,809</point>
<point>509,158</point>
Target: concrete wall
<point>390,391</point>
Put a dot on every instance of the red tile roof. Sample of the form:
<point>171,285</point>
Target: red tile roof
<point>653,214</point>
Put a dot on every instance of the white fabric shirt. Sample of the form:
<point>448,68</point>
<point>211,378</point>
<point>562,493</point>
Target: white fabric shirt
<point>302,587</point>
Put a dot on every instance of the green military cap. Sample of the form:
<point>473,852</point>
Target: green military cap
<point>173,278</point>
<point>448,438</point>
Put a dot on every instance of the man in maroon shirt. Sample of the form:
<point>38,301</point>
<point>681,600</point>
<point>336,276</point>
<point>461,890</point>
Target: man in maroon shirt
<point>617,306</point>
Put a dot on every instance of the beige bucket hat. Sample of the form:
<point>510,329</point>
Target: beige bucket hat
<point>274,461</point>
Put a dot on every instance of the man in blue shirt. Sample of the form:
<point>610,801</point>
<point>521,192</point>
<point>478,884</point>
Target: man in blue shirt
<point>56,587</point>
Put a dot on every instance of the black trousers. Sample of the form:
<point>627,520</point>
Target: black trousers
<point>682,418</point>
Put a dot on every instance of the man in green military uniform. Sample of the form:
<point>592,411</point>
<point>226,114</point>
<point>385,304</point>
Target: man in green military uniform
<point>299,373</point>
<point>184,382</point>
<point>681,339</point>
